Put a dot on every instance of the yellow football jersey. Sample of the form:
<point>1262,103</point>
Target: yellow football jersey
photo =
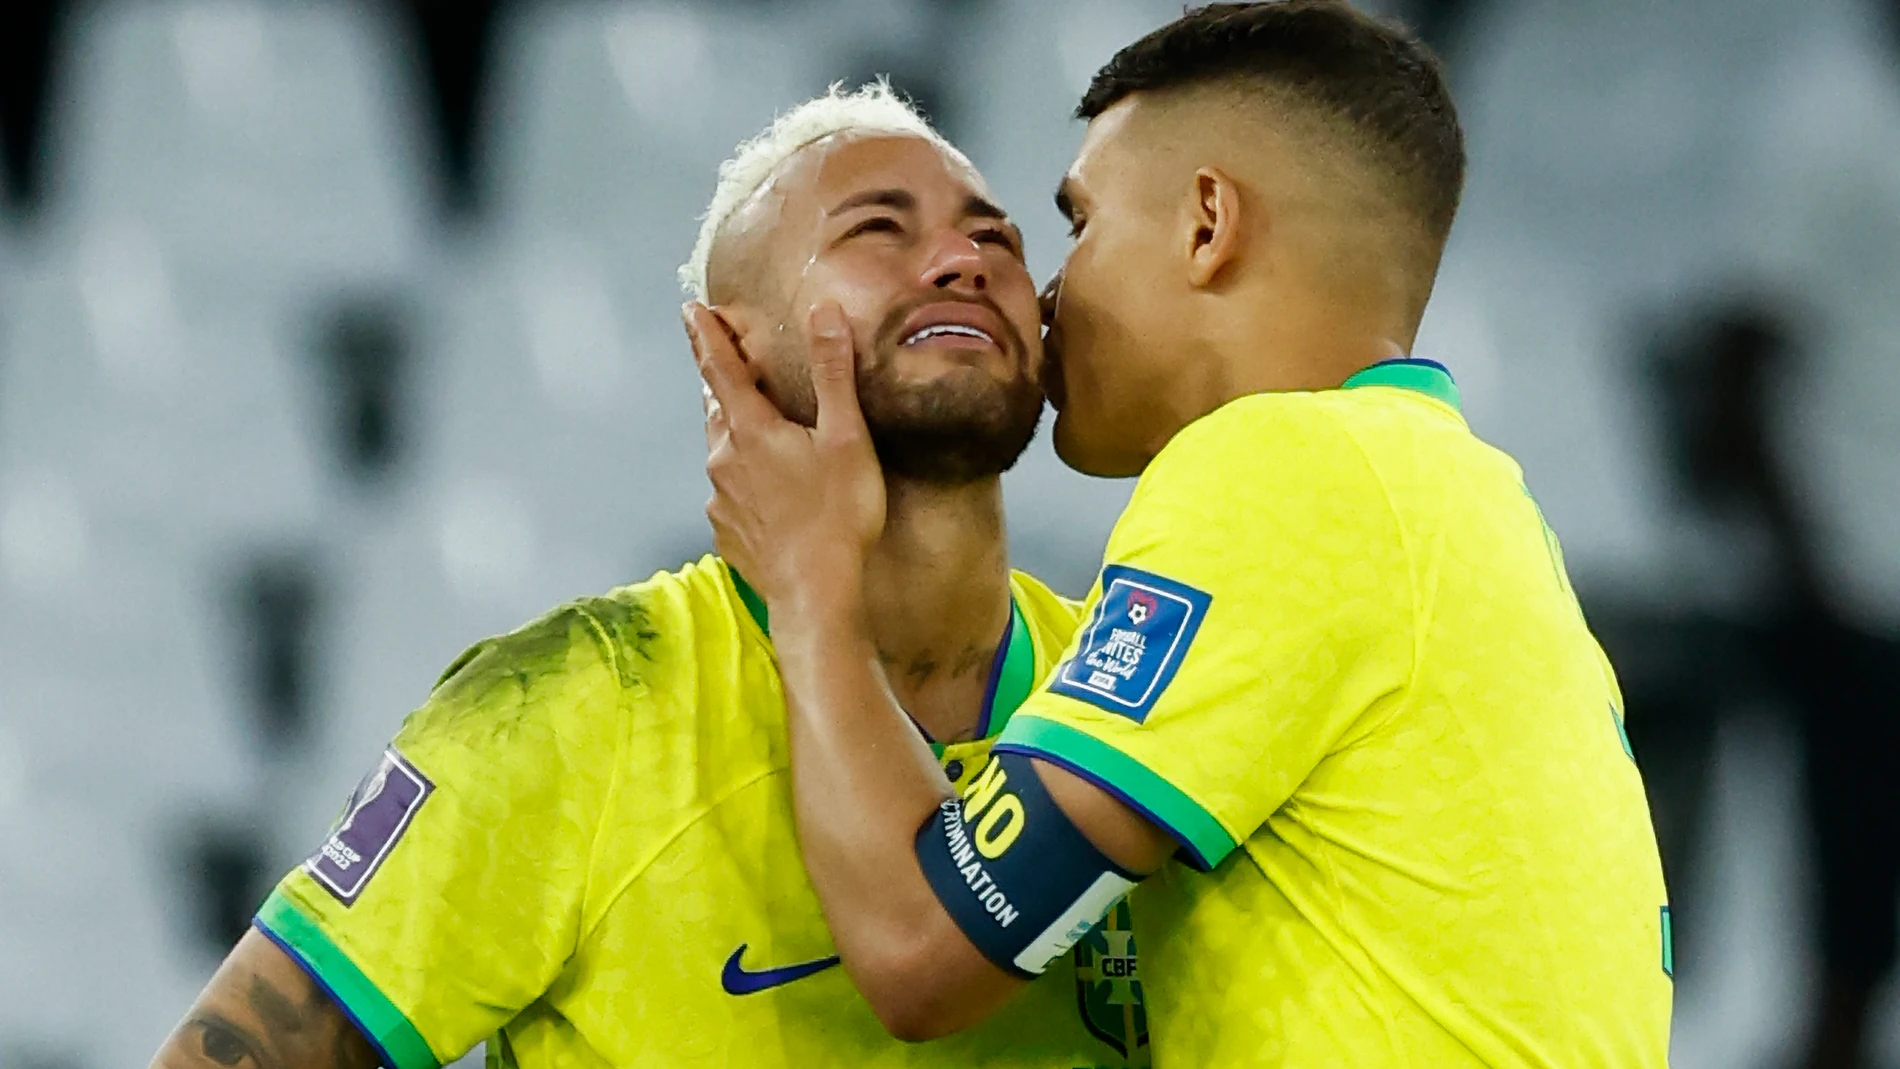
<point>1333,652</point>
<point>581,849</point>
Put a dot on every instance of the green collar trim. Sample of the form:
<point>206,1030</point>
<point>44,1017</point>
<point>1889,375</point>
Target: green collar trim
<point>1012,673</point>
<point>754,604</point>
<point>1428,377</point>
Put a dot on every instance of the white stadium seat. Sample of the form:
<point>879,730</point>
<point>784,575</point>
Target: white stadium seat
<point>186,420</point>
<point>253,138</point>
<point>100,958</point>
<point>120,737</point>
<point>611,120</point>
<point>121,684</point>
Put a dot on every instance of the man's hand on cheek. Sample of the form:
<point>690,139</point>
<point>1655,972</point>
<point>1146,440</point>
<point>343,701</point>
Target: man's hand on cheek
<point>794,509</point>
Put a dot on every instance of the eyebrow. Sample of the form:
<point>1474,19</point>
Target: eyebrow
<point>977,208</point>
<point>898,199</point>
<point>974,207</point>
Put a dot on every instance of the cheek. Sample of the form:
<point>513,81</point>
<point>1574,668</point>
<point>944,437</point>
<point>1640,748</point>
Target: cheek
<point>787,378</point>
<point>1014,291</point>
<point>857,288</point>
<point>1099,310</point>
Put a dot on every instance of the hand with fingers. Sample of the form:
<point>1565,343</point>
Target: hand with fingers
<point>795,509</point>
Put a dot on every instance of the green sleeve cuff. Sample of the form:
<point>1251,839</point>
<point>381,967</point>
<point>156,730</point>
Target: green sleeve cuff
<point>385,1026</point>
<point>1202,838</point>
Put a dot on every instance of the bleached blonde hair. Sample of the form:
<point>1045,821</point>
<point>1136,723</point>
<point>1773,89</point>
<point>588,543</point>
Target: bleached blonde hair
<point>874,109</point>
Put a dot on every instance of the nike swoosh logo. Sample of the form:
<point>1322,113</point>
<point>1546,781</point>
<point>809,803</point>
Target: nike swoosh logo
<point>738,980</point>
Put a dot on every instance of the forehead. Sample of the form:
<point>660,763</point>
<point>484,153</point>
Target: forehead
<point>1104,148</point>
<point>842,164</point>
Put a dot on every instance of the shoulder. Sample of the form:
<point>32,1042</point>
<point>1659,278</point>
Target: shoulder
<point>654,629</point>
<point>1271,504</point>
<point>1281,457</point>
<point>1256,421</point>
<point>568,672</point>
<point>1258,440</point>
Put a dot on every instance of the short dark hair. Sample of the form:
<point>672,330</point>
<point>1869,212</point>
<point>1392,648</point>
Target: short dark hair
<point>1377,79</point>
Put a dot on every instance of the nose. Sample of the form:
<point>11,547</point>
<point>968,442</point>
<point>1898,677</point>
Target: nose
<point>1051,297</point>
<point>955,262</point>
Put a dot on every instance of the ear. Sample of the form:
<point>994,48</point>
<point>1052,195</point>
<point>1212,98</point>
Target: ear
<point>1214,233</point>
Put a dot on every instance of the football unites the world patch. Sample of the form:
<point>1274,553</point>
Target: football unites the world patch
<point>380,809</point>
<point>1135,641</point>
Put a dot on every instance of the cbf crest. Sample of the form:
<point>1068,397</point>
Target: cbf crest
<point>1108,986</point>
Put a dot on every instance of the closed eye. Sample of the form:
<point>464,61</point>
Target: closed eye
<point>1075,227</point>
<point>996,236</point>
<point>877,223</point>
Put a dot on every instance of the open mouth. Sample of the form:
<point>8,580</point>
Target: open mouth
<point>954,325</point>
<point>952,331</point>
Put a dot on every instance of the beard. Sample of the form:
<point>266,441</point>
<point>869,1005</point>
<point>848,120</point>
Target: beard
<point>959,429</point>
<point>950,433</point>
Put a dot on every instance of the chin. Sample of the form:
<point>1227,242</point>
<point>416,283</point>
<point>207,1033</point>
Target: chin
<point>1086,453</point>
<point>946,363</point>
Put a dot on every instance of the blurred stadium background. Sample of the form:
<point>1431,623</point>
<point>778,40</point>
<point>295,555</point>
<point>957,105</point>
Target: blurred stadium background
<point>336,335</point>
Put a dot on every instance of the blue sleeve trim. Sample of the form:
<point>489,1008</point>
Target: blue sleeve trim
<point>1189,855</point>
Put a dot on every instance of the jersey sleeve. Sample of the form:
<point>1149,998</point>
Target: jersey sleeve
<point>448,895</point>
<point>1254,603</point>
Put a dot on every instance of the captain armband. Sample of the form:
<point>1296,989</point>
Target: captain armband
<point>1020,880</point>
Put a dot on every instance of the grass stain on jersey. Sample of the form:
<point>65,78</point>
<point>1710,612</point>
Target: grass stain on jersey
<point>495,689</point>
<point>628,625</point>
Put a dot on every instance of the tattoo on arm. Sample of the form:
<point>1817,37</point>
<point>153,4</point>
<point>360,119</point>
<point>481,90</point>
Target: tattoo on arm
<point>222,1042</point>
<point>278,1022</point>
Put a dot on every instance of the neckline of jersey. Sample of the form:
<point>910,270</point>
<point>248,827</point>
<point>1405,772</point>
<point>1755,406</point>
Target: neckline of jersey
<point>1428,377</point>
<point>1012,669</point>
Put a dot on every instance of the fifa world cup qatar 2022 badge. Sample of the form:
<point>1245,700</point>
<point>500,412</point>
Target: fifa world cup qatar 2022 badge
<point>1108,986</point>
<point>379,811</point>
